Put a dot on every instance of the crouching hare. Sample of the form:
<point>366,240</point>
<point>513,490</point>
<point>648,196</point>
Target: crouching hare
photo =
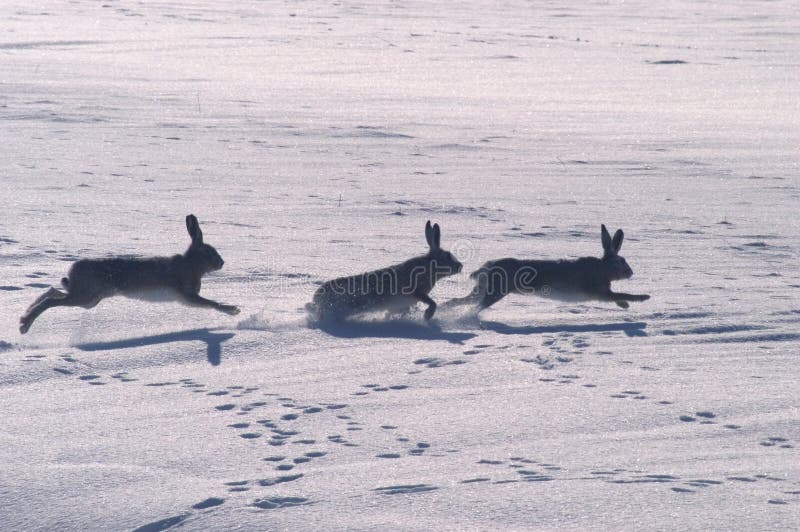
<point>175,278</point>
<point>583,279</point>
<point>395,288</point>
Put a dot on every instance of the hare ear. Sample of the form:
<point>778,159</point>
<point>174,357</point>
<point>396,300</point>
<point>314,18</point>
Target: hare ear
<point>617,242</point>
<point>429,234</point>
<point>605,238</point>
<point>193,226</point>
<point>437,236</point>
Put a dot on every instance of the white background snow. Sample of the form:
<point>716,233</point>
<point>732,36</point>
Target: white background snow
<point>314,139</point>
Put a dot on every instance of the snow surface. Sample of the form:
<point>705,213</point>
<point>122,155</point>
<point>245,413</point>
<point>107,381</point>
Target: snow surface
<point>313,140</point>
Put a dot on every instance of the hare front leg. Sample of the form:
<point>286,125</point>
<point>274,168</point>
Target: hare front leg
<point>621,298</point>
<point>424,298</point>
<point>197,300</point>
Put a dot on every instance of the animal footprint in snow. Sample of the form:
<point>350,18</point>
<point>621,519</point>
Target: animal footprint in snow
<point>774,441</point>
<point>163,524</point>
<point>279,480</point>
<point>340,440</point>
<point>251,406</point>
<point>705,416</point>
<point>534,476</point>
<point>405,489</point>
<point>195,386</point>
<point>280,502</point>
<point>629,394</point>
<point>645,479</point>
<point>542,362</point>
<point>523,465</point>
<point>316,454</point>
<point>238,486</point>
<point>434,362</point>
<point>208,503</point>
<point>380,388</point>
<point>475,480</point>
<point>420,449</point>
<point>580,342</point>
<point>91,379</point>
<point>279,436</point>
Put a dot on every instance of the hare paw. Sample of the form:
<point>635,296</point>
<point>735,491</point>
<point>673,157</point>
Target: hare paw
<point>232,310</point>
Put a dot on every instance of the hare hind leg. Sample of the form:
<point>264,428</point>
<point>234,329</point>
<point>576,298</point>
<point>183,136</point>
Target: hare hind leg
<point>42,303</point>
<point>482,296</point>
<point>52,293</point>
<point>494,288</point>
<point>490,299</point>
<point>55,298</point>
<point>473,298</point>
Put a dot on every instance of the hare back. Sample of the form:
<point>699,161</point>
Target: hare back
<point>405,279</point>
<point>565,280</point>
<point>127,276</point>
<point>390,288</point>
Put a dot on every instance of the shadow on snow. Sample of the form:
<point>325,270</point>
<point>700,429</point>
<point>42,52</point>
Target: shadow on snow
<point>636,328</point>
<point>391,329</point>
<point>213,341</point>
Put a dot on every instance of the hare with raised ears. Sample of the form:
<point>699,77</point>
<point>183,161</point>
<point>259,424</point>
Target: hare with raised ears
<point>175,278</point>
<point>395,288</point>
<point>583,279</point>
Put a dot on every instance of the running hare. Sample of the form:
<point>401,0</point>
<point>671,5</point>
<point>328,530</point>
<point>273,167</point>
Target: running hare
<point>175,278</point>
<point>395,288</point>
<point>583,279</point>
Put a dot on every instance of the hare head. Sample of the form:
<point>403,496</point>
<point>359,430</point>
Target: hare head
<point>443,262</point>
<point>616,266</point>
<point>204,256</point>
